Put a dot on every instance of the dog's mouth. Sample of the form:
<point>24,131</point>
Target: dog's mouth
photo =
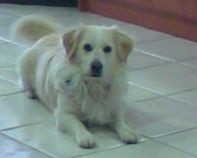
<point>96,74</point>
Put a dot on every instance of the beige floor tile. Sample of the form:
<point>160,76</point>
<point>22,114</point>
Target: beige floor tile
<point>9,148</point>
<point>9,54</point>
<point>18,110</point>
<point>186,141</point>
<point>188,97</point>
<point>143,35</point>
<point>139,60</point>
<point>161,116</point>
<point>136,94</point>
<point>10,74</point>
<point>48,139</point>
<point>166,79</point>
<point>172,48</point>
<point>149,149</point>
<point>6,19</point>
<point>191,62</point>
<point>8,88</point>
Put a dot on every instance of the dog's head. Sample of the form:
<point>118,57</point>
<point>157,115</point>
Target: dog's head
<point>97,50</point>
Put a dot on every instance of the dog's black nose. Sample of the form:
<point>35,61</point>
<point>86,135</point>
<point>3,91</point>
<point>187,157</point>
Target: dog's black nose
<point>96,68</point>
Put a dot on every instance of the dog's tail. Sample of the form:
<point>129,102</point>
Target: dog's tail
<point>29,29</point>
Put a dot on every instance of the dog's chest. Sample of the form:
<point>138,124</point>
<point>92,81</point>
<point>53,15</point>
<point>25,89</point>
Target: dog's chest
<point>97,103</point>
<point>99,113</point>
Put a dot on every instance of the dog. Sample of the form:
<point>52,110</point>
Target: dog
<point>79,75</point>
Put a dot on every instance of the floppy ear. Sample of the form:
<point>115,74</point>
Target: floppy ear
<point>70,42</point>
<point>124,45</point>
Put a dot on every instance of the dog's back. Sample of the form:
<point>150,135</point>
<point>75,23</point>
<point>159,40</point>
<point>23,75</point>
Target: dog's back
<point>41,35</point>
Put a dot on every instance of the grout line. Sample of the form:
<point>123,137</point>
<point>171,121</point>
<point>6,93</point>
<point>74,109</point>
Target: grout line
<point>171,133</point>
<point>187,90</point>
<point>10,12</point>
<point>160,95</point>
<point>191,58</point>
<point>20,126</point>
<point>177,148</point>
<point>11,42</point>
<point>168,96</point>
<point>154,40</point>
<point>11,82</point>
<point>163,96</point>
<point>188,65</point>
<point>183,62</point>
<point>140,86</point>
<point>180,62</point>
<point>7,66</point>
<point>176,93</point>
<point>148,99</point>
<point>8,81</point>
<point>147,67</point>
<point>184,91</point>
<point>155,55</point>
<point>26,145</point>
<point>102,150</point>
<point>12,93</point>
<point>113,147</point>
<point>179,100</point>
<point>99,151</point>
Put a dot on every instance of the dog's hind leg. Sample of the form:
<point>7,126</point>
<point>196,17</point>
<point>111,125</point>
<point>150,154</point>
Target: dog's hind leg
<point>27,73</point>
<point>31,93</point>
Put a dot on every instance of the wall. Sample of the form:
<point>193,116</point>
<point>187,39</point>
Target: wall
<point>177,17</point>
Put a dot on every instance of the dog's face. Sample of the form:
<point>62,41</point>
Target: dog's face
<point>97,50</point>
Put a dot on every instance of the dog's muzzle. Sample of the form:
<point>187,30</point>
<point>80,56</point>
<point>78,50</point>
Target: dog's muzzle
<point>96,68</point>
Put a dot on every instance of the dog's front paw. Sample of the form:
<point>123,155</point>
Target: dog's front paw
<point>128,137</point>
<point>126,134</point>
<point>86,140</point>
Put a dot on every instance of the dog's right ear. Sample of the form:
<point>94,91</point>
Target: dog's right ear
<point>70,42</point>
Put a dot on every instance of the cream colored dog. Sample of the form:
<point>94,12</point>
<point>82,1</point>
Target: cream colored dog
<point>79,75</point>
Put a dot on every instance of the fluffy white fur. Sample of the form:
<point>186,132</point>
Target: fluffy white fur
<point>57,70</point>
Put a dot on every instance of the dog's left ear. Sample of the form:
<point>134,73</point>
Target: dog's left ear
<point>70,41</point>
<point>124,45</point>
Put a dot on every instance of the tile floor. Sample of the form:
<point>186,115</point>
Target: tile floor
<point>162,98</point>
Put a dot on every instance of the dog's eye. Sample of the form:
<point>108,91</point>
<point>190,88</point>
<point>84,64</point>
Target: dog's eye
<point>107,49</point>
<point>87,47</point>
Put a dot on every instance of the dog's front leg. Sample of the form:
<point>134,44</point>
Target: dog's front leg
<point>126,134</point>
<point>68,121</point>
